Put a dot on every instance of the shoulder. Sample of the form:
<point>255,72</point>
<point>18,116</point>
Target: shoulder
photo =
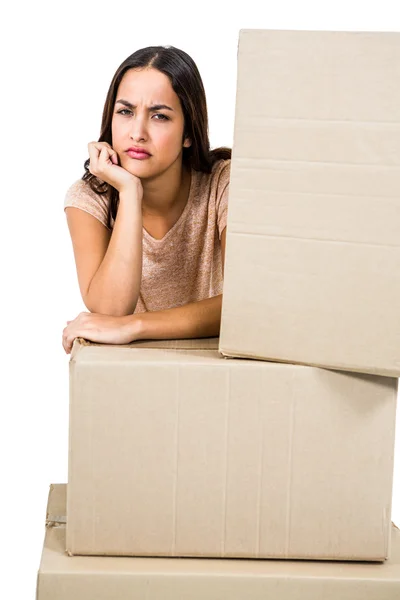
<point>221,171</point>
<point>80,195</point>
<point>80,189</point>
<point>221,176</point>
<point>214,183</point>
<point>216,186</point>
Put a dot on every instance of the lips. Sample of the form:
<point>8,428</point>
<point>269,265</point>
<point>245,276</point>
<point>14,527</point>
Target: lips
<point>139,151</point>
<point>138,155</point>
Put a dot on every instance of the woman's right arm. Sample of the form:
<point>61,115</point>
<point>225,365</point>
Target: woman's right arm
<point>109,265</point>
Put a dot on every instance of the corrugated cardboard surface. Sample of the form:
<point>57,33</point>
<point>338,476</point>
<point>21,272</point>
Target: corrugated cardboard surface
<point>62,577</point>
<point>312,269</point>
<point>180,452</point>
<point>179,344</point>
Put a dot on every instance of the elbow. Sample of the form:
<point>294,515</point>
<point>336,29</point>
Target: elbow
<point>108,308</point>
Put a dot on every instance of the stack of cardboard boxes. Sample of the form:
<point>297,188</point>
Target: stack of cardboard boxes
<point>276,440</point>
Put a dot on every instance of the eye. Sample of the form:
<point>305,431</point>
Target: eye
<point>123,112</point>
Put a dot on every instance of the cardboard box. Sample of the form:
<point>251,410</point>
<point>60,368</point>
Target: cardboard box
<point>177,451</point>
<point>312,269</point>
<point>62,577</point>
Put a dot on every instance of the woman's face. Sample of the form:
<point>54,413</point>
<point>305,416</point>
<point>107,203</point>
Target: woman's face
<point>135,123</point>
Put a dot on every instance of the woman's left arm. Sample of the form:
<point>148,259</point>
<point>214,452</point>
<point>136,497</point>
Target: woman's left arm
<point>193,320</point>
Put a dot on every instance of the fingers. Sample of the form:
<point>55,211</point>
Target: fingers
<point>104,153</point>
<point>73,331</point>
<point>65,345</point>
<point>68,338</point>
<point>64,339</point>
<point>101,154</point>
<point>67,341</point>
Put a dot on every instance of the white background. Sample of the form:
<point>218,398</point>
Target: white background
<point>57,64</point>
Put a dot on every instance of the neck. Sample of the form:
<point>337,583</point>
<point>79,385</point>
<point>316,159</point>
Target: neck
<point>169,191</point>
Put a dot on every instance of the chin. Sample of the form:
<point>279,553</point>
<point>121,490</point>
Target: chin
<point>131,166</point>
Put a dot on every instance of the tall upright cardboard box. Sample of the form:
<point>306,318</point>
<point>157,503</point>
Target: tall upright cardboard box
<point>312,269</point>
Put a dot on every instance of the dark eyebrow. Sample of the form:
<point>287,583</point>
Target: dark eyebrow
<point>152,108</point>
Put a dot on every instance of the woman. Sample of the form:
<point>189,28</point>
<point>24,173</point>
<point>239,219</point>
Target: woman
<point>148,218</point>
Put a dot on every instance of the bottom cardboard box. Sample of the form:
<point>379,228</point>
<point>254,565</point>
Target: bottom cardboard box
<point>63,577</point>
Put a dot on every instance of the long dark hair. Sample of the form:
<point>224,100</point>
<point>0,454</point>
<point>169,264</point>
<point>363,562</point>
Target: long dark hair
<point>187,84</point>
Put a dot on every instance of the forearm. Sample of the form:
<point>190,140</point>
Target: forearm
<point>114,289</point>
<point>193,320</point>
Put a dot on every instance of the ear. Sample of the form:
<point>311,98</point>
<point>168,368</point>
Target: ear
<point>186,139</point>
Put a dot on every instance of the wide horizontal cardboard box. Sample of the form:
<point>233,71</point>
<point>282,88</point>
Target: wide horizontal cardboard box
<point>62,577</point>
<point>176,451</point>
<point>312,269</point>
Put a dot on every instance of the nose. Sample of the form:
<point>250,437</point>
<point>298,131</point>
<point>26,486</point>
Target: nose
<point>138,128</point>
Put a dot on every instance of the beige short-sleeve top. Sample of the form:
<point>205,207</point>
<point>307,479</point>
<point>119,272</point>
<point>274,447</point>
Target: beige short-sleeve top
<point>185,265</point>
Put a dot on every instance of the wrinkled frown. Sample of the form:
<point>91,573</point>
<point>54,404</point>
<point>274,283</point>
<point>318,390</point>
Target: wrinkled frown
<point>139,121</point>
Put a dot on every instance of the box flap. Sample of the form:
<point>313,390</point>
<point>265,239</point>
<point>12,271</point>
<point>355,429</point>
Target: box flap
<point>56,506</point>
<point>210,343</point>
